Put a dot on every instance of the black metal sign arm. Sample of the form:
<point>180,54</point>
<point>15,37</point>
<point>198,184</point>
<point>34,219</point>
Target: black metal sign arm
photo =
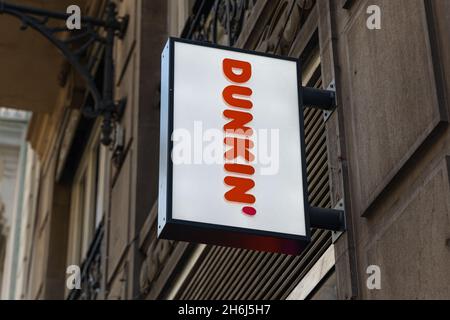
<point>318,98</point>
<point>74,48</point>
<point>327,219</point>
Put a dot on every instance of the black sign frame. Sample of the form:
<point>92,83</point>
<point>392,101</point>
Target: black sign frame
<point>174,229</point>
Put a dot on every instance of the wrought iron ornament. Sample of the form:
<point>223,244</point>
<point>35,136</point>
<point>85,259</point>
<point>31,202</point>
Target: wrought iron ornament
<point>218,21</point>
<point>74,45</point>
<point>91,270</point>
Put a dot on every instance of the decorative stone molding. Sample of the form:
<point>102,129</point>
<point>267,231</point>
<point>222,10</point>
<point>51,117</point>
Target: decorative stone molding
<point>284,25</point>
<point>222,23</point>
<point>13,114</point>
<point>156,252</point>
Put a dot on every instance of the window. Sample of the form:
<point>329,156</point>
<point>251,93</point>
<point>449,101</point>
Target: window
<point>87,200</point>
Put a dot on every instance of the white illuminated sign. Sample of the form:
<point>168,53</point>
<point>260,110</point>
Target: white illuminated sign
<point>232,169</point>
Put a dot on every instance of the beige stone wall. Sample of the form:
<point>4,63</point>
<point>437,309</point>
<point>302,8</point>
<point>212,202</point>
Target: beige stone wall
<point>134,182</point>
<point>390,144</point>
<point>178,12</point>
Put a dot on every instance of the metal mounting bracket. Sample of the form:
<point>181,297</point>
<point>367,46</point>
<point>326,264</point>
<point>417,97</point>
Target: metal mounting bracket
<point>327,219</point>
<point>335,235</point>
<point>319,98</point>
<point>327,113</point>
<point>75,46</point>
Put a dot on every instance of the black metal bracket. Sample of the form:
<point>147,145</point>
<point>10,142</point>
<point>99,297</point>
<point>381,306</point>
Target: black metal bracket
<point>74,48</point>
<point>318,98</point>
<point>328,219</point>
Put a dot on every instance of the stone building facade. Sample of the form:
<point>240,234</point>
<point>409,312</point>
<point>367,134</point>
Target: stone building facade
<point>13,153</point>
<point>384,154</point>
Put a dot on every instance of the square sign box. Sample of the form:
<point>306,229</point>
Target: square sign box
<point>232,155</point>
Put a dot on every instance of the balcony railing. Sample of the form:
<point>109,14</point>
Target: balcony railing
<point>91,271</point>
<point>218,21</point>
